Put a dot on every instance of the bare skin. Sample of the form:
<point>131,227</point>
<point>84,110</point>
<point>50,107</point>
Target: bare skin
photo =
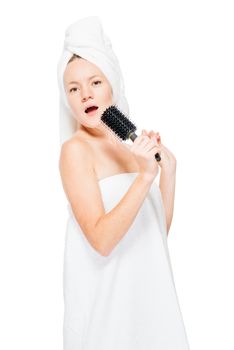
<point>110,156</point>
<point>93,153</point>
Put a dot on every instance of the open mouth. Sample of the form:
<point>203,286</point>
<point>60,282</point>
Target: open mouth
<point>91,110</point>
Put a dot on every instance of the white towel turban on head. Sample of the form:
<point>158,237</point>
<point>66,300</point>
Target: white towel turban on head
<point>86,38</point>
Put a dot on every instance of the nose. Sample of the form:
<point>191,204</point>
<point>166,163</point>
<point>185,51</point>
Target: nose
<point>86,93</point>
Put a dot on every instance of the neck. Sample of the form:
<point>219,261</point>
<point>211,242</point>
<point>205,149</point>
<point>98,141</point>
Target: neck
<point>101,132</point>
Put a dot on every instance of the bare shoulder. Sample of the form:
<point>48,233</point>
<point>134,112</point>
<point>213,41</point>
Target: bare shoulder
<point>77,150</point>
<point>81,186</point>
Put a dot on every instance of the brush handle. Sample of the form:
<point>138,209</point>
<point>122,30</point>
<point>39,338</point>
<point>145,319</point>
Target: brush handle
<point>133,136</point>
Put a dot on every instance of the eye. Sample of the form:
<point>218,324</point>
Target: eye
<point>75,88</point>
<point>72,89</point>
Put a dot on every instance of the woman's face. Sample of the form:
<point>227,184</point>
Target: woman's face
<point>85,86</point>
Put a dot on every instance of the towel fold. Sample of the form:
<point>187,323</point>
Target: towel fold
<point>87,39</point>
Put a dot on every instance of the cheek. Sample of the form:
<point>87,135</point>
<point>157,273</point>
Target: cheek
<point>73,103</point>
<point>75,109</point>
<point>108,95</point>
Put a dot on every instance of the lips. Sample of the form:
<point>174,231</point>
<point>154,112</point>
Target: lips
<point>91,109</point>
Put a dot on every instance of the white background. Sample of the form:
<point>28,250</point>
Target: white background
<point>177,62</point>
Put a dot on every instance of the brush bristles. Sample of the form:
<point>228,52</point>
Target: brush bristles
<point>118,122</point>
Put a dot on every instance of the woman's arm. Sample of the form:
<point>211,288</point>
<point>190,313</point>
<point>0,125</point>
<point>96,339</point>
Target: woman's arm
<point>167,177</point>
<point>103,230</point>
<point>112,226</point>
<point>167,188</point>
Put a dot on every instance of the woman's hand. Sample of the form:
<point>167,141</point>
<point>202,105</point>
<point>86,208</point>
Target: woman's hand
<point>144,149</point>
<point>168,160</point>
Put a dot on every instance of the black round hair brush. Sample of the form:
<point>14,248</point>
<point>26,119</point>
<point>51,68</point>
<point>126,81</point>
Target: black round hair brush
<point>121,125</point>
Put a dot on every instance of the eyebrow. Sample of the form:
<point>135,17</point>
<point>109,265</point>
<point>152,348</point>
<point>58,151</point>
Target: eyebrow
<point>75,82</point>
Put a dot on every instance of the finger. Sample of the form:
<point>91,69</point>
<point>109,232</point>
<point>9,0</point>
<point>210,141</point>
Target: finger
<point>141,140</point>
<point>150,144</point>
<point>153,137</point>
<point>155,134</point>
<point>151,132</point>
<point>144,141</point>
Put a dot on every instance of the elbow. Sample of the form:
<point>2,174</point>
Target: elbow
<point>100,247</point>
<point>103,251</point>
<point>105,254</point>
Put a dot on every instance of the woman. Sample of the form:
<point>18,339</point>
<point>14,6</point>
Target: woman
<point>119,291</point>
